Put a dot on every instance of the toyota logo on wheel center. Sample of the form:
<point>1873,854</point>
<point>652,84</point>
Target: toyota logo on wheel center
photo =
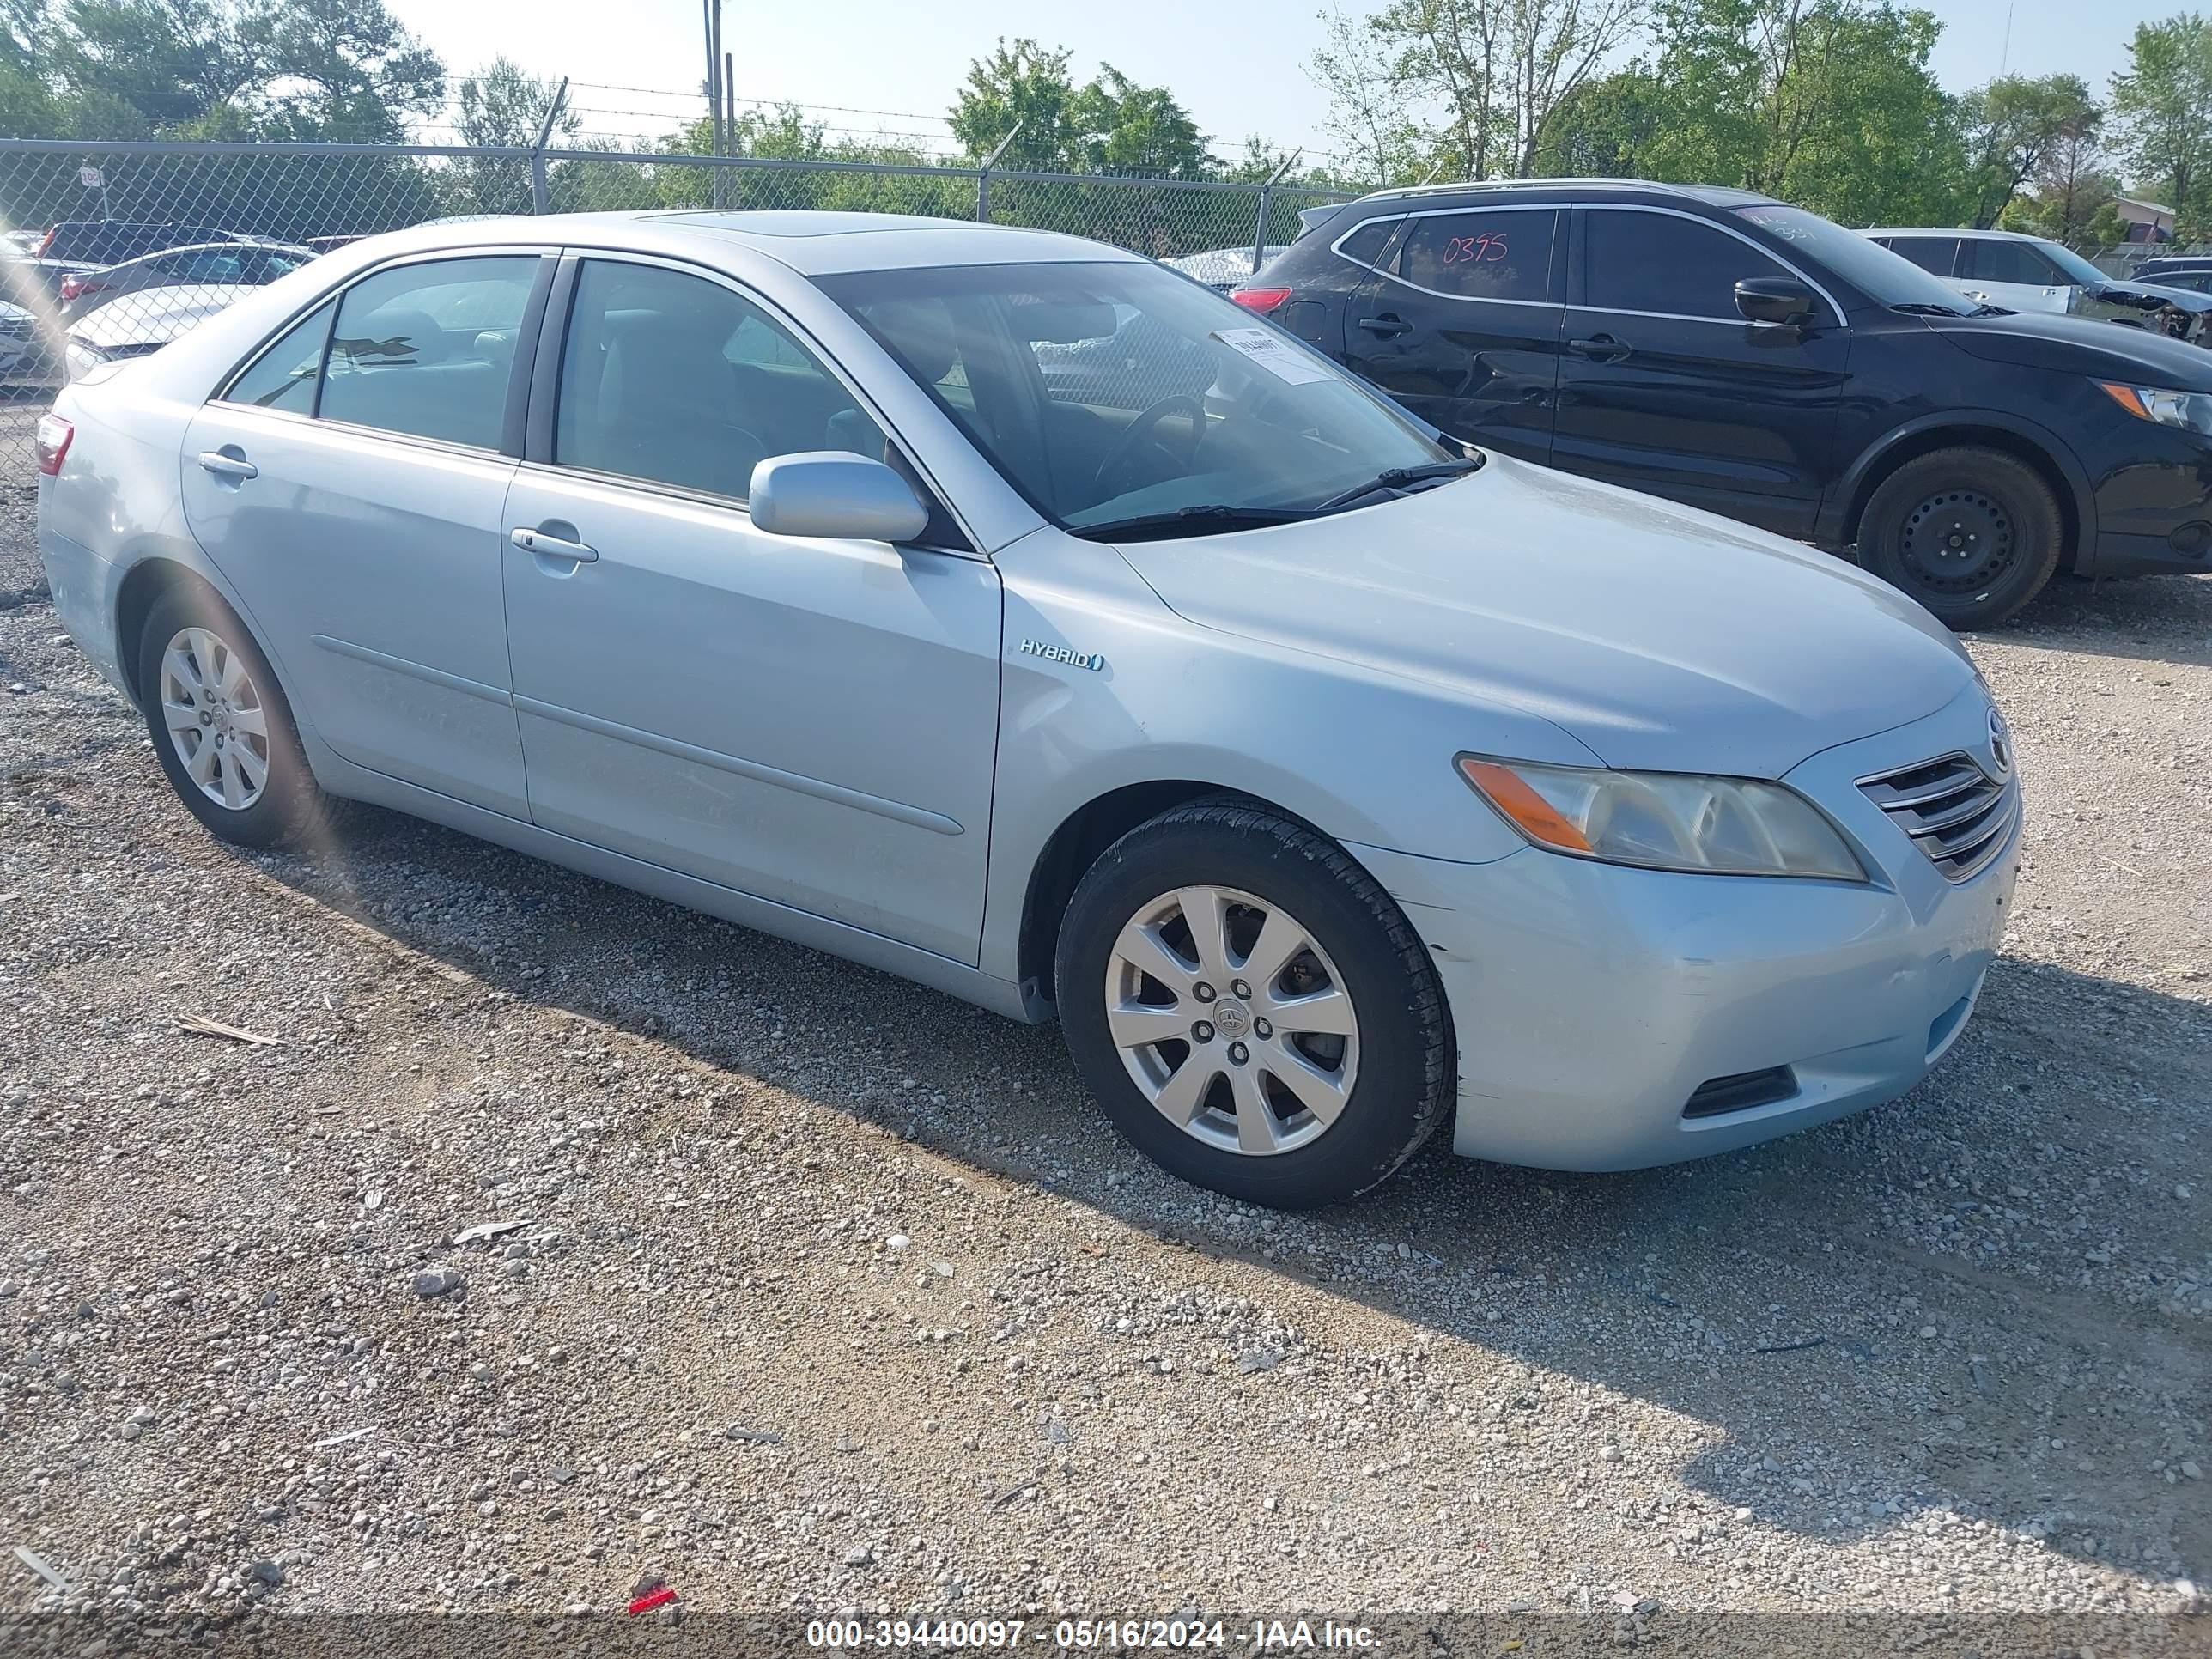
<point>1231,1019</point>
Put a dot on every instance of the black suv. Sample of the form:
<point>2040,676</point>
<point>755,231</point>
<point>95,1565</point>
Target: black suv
<point>1738,354</point>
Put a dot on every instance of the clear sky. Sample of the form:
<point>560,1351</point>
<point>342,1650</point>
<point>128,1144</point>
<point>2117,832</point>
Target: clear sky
<point>1238,67</point>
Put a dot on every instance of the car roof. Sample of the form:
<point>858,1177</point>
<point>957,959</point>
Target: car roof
<point>1953,230</point>
<point>813,244</point>
<point>1711,195</point>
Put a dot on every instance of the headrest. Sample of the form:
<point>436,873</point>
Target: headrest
<point>921,335</point>
<point>393,334</point>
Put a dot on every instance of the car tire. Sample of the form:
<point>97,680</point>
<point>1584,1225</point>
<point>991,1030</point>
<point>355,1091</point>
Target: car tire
<point>1347,1055</point>
<point>222,728</point>
<point>1972,534</point>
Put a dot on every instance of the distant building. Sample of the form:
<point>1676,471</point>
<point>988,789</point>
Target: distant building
<point>2147,221</point>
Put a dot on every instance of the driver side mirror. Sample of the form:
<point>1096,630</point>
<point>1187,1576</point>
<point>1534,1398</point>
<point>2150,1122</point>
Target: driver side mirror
<point>1779,300</point>
<point>835,495</point>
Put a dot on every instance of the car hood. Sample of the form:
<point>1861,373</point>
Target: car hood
<point>2149,296</point>
<point>2079,345</point>
<point>1658,636</point>
<point>154,316</point>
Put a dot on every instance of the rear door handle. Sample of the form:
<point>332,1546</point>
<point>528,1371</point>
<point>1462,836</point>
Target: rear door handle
<point>1600,348</point>
<point>553,547</point>
<point>1388,324</point>
<point>224,465</point>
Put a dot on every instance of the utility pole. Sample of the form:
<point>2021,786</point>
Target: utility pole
<point>711,11</point>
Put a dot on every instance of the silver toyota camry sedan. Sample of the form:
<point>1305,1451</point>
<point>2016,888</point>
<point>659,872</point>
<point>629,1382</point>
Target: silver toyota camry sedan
<point>1011,614</point>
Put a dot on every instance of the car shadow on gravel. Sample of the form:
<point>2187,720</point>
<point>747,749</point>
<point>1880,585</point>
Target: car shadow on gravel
<point>1988,1298</point>
<point>2157,619</point>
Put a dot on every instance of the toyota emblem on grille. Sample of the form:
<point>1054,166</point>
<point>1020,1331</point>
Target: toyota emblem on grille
<point>2000,743</point>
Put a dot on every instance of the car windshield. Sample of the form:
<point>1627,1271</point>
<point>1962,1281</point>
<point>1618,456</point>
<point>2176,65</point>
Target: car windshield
<point>1886,278</point>
<point>1115,392</point>
<point>2073,263</point>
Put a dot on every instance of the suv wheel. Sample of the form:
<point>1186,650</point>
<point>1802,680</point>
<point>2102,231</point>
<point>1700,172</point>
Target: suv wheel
<point>1972,534</point>
<point>1251,1008</point>
<point>221,728</point>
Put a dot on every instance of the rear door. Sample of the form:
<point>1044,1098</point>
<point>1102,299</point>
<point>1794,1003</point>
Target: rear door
<point>1936,255</point>
<point>1665,387</point>
<point>350,485</point>
<point>1459,320</point>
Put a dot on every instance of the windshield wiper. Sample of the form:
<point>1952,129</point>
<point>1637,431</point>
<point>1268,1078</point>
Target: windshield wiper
<point>1396,477</point>
<point>1929,308</point>
<point>1207,519</point>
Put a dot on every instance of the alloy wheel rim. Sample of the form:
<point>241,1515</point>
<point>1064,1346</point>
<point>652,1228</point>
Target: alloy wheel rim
<point>217,723</point>
<point>1959,541</point>
<point>1231,1020</point>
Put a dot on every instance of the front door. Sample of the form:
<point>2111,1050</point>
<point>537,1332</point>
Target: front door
<point>353,496</point>
<point>1459,322</point>
<point>812,722</point>
<point>1664,387</point>
<point>2020,276</point>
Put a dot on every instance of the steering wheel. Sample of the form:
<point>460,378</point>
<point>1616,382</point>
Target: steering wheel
<point>1134,435</point>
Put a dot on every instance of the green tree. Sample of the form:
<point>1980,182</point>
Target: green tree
<point>2011,126</point>
<point>343,71</point>
<point>148,66</point>
<point>2075,185</point>
<point>1019,83</point>
<point>502,108</point>
<point>2162,103</point>
<point>1123,127</point>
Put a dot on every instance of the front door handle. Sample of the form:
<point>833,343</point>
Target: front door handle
<point>1600,348</point>
<point>552,546</point>
<point>228,464</point>
<point>1386,326</point>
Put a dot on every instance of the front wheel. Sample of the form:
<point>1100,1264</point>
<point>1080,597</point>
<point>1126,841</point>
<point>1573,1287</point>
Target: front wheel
<point>1251,1008</point>
<point>1972,534</point>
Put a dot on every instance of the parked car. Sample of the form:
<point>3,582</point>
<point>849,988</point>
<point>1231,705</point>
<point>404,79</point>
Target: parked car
<point>109,241</point>
<point>1738,354</point>
<point>329,244</point>
<point>140,325</point>
<point>1329,779</point>
<point>24,357</point>
<point>1222,268</point>
<point>2033,273</point>
<point>242,263</point>
<point>2190,271</point>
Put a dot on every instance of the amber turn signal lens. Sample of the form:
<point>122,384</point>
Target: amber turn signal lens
<point>1537,819</point>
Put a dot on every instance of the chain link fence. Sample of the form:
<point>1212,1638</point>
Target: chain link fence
<point>112,249</point>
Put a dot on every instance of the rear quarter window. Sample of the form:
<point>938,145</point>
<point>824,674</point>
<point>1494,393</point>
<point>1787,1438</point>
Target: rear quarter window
<point>1365,245</point>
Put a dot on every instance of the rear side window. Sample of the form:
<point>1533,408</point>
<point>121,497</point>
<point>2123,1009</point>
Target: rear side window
<point>1990,261</point>
<point>1504,254</point>
<point>428,349</point>
<point>1933,255</point>
<point>1634,260</point>
<point>675,379</point>
<point>283,377</point>
<point>1365,245</point>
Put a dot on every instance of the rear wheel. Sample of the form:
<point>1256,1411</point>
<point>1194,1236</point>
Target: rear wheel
<point>221,728</point>
<point>1251,1008</point>
<point>1972,534</point>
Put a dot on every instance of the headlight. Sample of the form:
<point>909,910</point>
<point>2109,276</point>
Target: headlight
<point>1665,820</point>
<point>83,359</point>
<point>2190,410</point>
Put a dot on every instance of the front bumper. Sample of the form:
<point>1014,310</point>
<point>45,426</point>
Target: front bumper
<point>1591,1001</point>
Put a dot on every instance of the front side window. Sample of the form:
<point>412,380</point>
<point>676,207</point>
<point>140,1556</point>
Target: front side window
<point>1991,261</point>
<point>429,350</point>
<point>1117,390</point>
<point>674,379</point>
<point>1659,262</point>
<point>283,377</point>
<point>1500,255</point>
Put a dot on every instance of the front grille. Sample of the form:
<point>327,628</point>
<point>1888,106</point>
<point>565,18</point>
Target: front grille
<point>1956,813</point>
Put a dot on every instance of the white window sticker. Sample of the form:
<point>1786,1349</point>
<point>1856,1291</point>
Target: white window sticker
<point>1272,354</point>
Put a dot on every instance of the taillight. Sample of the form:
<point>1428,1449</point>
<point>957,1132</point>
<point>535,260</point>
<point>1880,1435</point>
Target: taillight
<point>1261,299</point>
<point>73,286</point>
<point>45,243</point>
<point>54,435</point>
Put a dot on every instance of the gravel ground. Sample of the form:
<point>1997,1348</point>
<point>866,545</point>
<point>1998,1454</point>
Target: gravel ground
<point>813,1290</point>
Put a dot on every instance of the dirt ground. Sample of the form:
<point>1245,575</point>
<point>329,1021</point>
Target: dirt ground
<point>822,1292</point>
